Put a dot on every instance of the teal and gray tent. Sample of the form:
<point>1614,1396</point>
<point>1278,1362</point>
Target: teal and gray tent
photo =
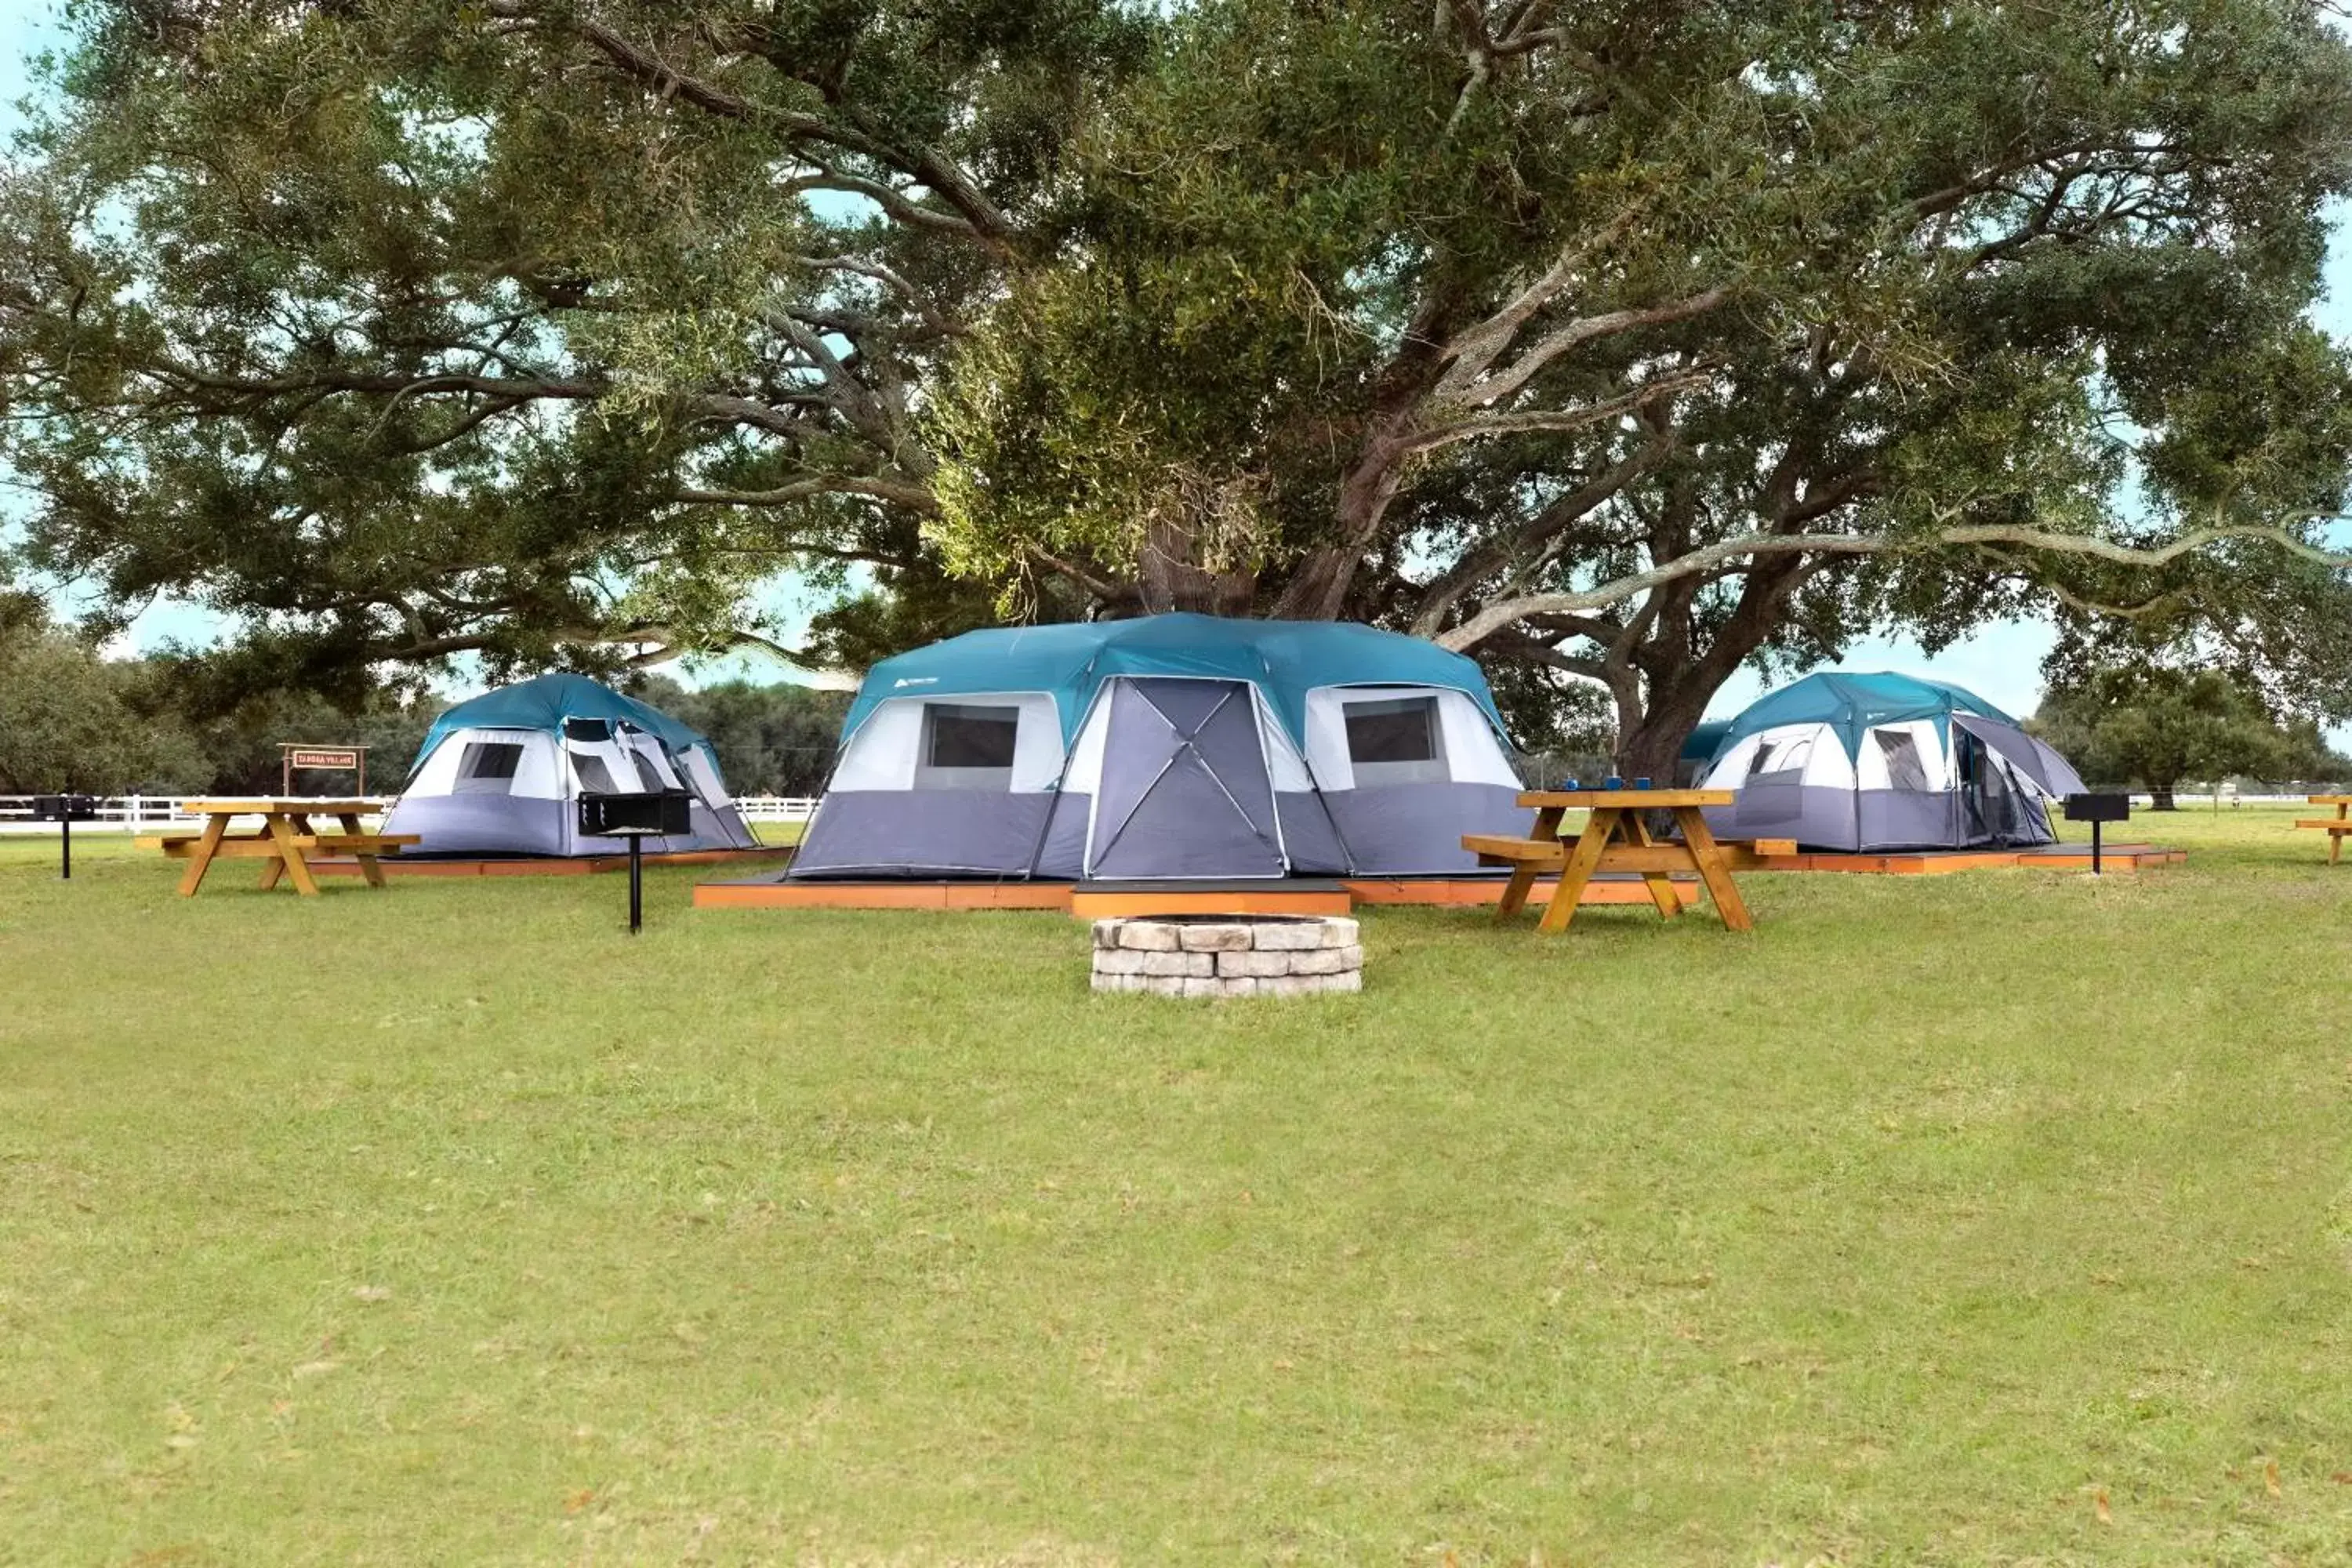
<point>1168,746</point>
<point>1883,762</point>
<point>501,775</point>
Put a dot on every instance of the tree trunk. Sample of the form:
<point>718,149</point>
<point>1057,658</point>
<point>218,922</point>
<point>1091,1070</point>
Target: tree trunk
<point>1650,741</point>
<point>2160,798</point>
<point>1170,578</point>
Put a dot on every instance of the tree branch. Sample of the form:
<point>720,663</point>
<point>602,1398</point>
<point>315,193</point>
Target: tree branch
<point>1756,546</point>
<point>1649,391</point>
<point>1439,598</point>
<point>916,497</point>
<point>1486,393</point>
<point>1473,351</point>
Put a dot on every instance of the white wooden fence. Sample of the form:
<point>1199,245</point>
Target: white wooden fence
<point>134,813</point>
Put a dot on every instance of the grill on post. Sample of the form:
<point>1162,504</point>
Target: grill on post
<point>65,810</point>
<point>635,817</point>
<point>2097,809</point>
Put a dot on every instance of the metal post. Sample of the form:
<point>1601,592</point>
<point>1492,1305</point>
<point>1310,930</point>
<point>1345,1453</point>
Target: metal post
<point>65,847</point>
<point>636,892</point>
<point>2094,846</point>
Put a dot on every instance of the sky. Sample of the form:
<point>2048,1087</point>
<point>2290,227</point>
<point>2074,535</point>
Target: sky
<point>2002,663</point>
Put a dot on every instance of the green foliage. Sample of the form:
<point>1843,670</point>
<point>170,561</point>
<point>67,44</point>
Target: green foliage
<point>1631,342</point>
<point>2153,726</point>
<point>2042,270</point>
<point>1549,716</point>
<point>775,739</point>
<point>68,723</point>
<point>237,752</point>
<point>503,327</point>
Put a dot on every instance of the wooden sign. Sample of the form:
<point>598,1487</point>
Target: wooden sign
<point>295,754</point>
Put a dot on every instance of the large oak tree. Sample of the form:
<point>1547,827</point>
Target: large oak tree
<point>1643,340</point>
<point>1628,342</point>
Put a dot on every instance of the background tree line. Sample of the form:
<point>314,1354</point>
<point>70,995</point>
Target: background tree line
<point>72,719</point>
<point>2155,728</point>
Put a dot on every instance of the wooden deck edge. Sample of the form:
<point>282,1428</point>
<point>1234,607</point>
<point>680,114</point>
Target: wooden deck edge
<point>1055,896</point>
<point>1899,864</point>
<point>549,866</point>
<point>1267,900</point>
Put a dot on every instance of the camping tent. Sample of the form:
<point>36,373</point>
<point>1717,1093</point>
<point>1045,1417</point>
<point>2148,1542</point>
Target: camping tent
<point>501,775</point>
<point>1168,746</point>
<point>1883,762</point>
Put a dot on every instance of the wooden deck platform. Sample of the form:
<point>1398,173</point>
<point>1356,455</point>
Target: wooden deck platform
<point>548,865</point>
<point>1305,897</point>
<point>1942,862</point>
<point>1102,901</point>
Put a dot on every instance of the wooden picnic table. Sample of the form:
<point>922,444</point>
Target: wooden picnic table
<point>283,841</point>
<point>1615,838</point>
<point>2334,826</point>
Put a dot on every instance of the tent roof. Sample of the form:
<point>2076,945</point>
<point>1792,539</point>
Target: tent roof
<point>1851,703</point>
<point>545,701</point>
<point>1284,658</point>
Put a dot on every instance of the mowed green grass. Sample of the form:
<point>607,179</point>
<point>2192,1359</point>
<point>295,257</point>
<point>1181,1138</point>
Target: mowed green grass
<point>1993,1218</point>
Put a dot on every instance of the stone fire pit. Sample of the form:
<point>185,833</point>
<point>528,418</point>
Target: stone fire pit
<point>1228,955</point>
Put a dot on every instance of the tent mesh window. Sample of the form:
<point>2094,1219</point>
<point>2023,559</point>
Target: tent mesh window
<point>487,767</point>
<point>967,746</point>
<point>1781,761</point>
<point>1396,740</point>
<point>593,774</point>
<point>1901,752</point>
<point>648,774</point>
<point>589,729</point>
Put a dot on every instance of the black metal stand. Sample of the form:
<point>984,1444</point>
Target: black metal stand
<point>64,849</point>
<point>607,815</point>
<point>2095,847</point>
<point>636,882</point>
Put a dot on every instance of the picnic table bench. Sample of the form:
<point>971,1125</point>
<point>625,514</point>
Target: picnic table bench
<point>2334,826</point>
<point>284,841</point>
<point>1615,838</point>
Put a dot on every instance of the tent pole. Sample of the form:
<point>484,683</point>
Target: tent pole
<point>1045,828</point>
<point>1315,788</point>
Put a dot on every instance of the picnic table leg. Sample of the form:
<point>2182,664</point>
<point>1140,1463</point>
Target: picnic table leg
<point>1523,878</point>
<point>2335,840</point>
<point>368,867</point>
<point>275,866</point>
<point>281,832</point>
<point>1661,886</point>
<point>1712,870</point>
<point>200,855</point>
<point>1582,862</point>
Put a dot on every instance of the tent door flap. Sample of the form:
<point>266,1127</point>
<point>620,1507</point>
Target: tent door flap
<point>1185,791</point>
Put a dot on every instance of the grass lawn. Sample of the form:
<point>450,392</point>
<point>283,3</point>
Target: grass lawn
<point>1991,1219</point>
